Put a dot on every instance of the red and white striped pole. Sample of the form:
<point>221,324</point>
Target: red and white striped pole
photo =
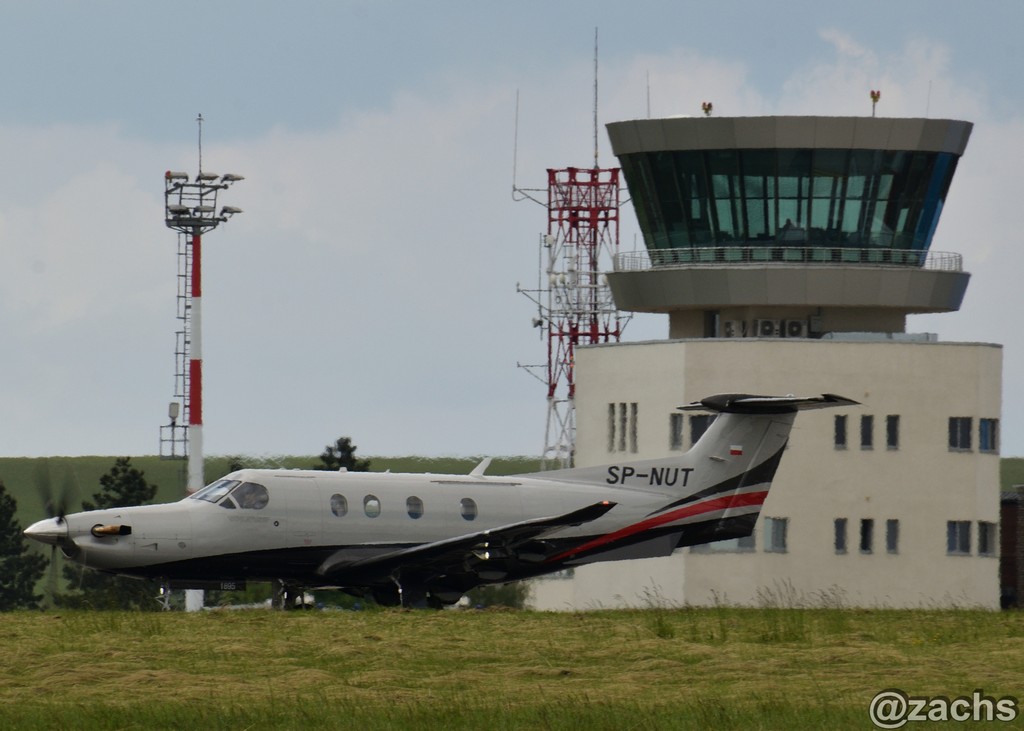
<point>196,480</point>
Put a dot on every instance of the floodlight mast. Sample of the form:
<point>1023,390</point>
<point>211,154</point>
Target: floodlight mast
<point>190,206</point>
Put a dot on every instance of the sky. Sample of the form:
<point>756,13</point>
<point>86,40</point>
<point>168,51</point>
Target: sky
<point>369,288</point>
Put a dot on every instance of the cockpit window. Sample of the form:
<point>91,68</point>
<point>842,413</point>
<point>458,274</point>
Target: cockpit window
<point>215,490</point>
<point>244,495</point>
<point>251,496</point>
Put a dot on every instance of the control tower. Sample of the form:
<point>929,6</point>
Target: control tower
<point>813,224</point>
<point>787,253</point>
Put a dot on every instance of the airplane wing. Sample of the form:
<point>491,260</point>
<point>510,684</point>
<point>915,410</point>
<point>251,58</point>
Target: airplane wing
<point>452,555</point>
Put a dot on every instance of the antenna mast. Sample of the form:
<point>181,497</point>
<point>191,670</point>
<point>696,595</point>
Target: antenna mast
<point>596,165</point>
<point>574,302</point>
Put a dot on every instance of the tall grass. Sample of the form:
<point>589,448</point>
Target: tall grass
<point>658,668</point>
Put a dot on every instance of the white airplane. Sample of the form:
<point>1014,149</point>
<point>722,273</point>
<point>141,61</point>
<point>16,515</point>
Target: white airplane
<point>414,538</point>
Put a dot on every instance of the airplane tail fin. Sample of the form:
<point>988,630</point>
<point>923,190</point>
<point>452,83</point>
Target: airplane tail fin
<point>716,489</point>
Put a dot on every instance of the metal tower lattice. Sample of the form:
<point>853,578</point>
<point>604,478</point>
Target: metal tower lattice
<point>574,303</point>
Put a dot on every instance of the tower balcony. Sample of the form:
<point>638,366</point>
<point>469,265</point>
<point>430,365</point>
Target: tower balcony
<point>874,288</point>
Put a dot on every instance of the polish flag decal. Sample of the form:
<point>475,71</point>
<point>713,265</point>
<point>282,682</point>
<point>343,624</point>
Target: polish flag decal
<point>736,450</point>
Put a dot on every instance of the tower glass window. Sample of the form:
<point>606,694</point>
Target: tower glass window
<point>803,197</point>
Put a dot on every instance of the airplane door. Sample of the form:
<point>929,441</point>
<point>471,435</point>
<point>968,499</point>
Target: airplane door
<point>305,512</point>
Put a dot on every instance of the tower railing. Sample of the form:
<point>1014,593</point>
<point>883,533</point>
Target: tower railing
<point>718,256</point>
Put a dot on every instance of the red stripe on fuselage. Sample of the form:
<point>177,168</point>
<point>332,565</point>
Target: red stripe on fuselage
<point>687,511</point>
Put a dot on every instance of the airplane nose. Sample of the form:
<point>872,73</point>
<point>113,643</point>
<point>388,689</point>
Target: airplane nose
<point>50,531</point>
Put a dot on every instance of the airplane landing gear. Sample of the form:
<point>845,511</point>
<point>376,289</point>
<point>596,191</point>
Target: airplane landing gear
<point>289,596</point>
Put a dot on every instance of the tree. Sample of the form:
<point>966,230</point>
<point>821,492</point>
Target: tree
<point>342,454</point>
<point>123,486</point>
<point>21,568</point>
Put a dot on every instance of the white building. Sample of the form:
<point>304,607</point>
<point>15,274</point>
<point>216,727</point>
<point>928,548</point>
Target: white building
<point>787,253</point>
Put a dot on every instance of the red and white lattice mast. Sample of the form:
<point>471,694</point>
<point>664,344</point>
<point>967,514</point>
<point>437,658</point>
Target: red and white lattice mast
<point>191,210</point>
<point>574,302</point>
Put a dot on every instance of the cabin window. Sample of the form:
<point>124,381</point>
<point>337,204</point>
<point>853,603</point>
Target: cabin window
<point>415,507</point>
<point>339,505</point>
<point>371,506</point>
<point>469,511</point>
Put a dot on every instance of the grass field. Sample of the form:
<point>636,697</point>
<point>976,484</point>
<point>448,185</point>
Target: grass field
<point>646,669</point>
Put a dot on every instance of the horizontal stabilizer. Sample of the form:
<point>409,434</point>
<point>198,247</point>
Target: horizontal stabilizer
<point>743,403</point>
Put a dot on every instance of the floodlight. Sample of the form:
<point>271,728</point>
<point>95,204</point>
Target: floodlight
<point>173,409</point>
<point>177,209</point>
<point>229,211</point>
<point>175,175</point>
<point>207,176</point>
<point>231,178</point>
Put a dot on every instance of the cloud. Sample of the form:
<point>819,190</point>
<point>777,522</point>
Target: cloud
<point>369,287</point>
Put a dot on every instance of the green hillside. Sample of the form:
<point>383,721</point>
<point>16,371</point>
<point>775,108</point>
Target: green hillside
<point>1011,472</point>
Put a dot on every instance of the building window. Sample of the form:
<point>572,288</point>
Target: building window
<point>622,427</point>
<point>840,431</point>
<point>611,427</point>
<point>988,435</point>
<point>699,424</point>
<point>892,432</point>
<point>840,533</point>
<point>675,431</point>
<point>960,433</point>
<point>987,539</point>
<point>744,544</point>
<point>623,419</point>
<point>867,535</point>
<point>634,418</point>
<point>958,537</point>
<point>867,432</point>
<point>775,534</point>
<point>892,536</point>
